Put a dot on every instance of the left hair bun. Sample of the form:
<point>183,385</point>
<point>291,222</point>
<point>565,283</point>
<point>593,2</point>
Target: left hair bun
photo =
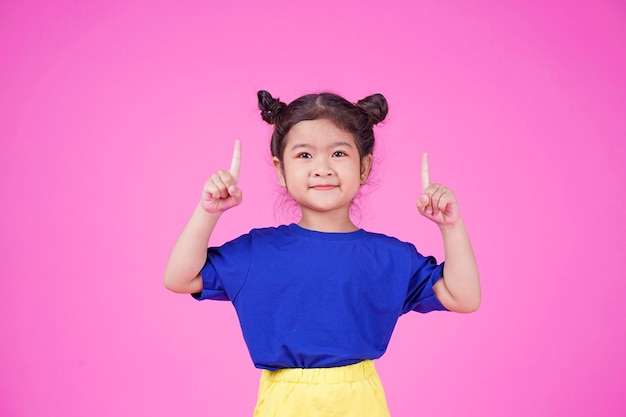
<point>375,106</point>
<point>270,107</point>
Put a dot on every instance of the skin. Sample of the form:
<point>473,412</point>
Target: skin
<point>459,288</point>
<point>220,193</point>
<point>322,170</point>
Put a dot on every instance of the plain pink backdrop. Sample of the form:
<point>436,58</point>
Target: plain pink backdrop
<point>113,113</point>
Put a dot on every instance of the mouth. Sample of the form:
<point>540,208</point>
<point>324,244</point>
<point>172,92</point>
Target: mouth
<point>323,187</point>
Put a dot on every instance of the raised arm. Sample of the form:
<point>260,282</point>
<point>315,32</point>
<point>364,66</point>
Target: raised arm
<point>220,193</point>
<point>459,289</point>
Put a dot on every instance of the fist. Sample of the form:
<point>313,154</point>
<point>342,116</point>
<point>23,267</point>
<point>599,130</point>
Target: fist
<point>437,202</point>
<point>221,192</point>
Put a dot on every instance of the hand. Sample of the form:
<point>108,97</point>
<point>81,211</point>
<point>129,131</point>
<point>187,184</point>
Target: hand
<point>437,203</point>
<point>220,192</point>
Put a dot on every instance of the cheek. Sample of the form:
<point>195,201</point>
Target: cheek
<point>356,171</point>
<point>294,178</point>
<point>291,176</point>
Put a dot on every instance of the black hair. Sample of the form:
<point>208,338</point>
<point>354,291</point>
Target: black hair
<point>357,119</point>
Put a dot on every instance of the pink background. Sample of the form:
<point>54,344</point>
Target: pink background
<point>113,113</point>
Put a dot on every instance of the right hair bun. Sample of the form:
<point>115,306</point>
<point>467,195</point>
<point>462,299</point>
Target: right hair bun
<point>270,107</point>
<point>375,106</point>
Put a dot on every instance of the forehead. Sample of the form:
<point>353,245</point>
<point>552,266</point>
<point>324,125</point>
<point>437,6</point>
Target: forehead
<point>318,131</point>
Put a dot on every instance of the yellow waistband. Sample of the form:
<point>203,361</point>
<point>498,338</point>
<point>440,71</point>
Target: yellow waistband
<point>348,373</point>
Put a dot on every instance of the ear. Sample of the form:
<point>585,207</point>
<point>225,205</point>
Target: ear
<point>279,170</point>
<point>366,166</point>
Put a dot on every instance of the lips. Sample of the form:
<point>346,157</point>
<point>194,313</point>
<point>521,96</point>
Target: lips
<point>323,187</point>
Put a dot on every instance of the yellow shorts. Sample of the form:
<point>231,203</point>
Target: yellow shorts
<point>345,391</point>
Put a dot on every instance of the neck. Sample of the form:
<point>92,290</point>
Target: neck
<point>327,222</point>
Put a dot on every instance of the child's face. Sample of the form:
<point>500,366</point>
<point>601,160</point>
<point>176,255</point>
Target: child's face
<point>321,166</point>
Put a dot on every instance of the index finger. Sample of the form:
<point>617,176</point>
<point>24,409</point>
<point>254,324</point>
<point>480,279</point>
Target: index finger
<point>425,172</point>
<point>236,162</point>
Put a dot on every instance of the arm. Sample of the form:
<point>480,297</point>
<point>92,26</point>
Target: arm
<point>459,288</point>
<point>220,193</point>
<point>182,272</point>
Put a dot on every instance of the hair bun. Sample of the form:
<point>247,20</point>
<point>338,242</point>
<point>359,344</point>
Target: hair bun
<point>375,106</point>
<point>270,107</point>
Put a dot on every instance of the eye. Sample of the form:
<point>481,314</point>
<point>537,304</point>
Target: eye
<point>304,155</point>
<point>338,154</point>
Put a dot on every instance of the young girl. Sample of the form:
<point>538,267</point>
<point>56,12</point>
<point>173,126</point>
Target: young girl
<point>318,300</point>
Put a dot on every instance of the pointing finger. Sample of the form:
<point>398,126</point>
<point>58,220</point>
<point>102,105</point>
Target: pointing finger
<point>425,173</point>
<point>236,162</point>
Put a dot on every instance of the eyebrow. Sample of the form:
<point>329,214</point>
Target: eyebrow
<point>332,145</point>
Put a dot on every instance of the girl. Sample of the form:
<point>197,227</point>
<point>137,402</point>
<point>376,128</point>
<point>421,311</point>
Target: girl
<point>318,300</point>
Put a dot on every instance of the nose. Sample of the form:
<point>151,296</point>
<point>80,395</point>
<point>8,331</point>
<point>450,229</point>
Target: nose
<point>322,169</point>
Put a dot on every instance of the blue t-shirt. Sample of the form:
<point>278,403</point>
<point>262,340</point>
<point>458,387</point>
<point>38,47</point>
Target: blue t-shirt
<point>308,299</point>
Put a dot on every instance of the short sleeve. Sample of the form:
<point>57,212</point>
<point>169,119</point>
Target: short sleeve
<point>225,270</point>
<point>425,273</point>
